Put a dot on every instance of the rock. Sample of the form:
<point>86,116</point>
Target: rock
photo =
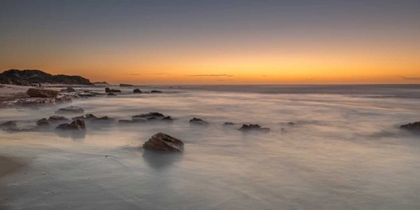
<point>111,94</point>
<point>167,119</point>
<point>70,90</point>
<point>34,101</point>
<point>57,119</point>
<point>43,122</point>
<point>27,77</point>
<point>411,126</point>
<point>198,121</point>
<point>115,91</point>
<point>104,119</point>
<point>86,117</point>
<point>41,93</point>
<point>137,90</point>
<point>70,110</point>
<point>291,123</point>
<point>63,99</point>
<point>229,123</point>
<point>156,91</point>
<point>149,115</point>
<point>164,143</point>
<point>126,85</point>
<point>107,90</point>
<point>8,124</point>
<point>253,127</point>
<point>75,125</point>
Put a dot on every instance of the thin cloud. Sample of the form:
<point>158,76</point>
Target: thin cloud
<point>410,78</point>
<point>209,75</point>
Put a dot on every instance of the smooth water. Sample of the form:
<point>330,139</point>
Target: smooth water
<point>345,151</point>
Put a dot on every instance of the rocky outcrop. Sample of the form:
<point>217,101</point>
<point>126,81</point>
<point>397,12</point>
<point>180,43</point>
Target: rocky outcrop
<point>28,77</point>
<point>57,119</point>
<point>411,126</point>
<point>126,85</point>
<point>75,125</point>
<point>8,124</point>
<point>85,117</point>
<point>41,93</point>
<point>137,91</point>
<point>253,127</point>
<point>152,116</point>
<point>43,122</point>
<point>70,110</point>
<point>198,121</point>
<point>164,143</point>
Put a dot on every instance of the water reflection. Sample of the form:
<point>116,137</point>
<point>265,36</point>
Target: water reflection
<point>160,160</point>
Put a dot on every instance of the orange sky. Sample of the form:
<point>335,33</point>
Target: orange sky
<point>205,43</point>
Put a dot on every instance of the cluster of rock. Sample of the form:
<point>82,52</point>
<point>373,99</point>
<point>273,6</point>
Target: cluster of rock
<point>149,117</point>
<point>30,77</point>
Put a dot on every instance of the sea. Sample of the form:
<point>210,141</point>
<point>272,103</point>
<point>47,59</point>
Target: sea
<point>329,147</point>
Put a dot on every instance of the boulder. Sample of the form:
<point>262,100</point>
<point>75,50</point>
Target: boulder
<point>70,110</point>
<point>198,121</point>
<point>85,117</point>
<point>8,124</point>
<point>57,119</point>
<point>411,126</point>
<point>41,93</point>
<point>70,90</point>
<point>156,91</point>
<point>164,143</point>
<point>43,122</point>
<point>137,90</point>
<point>253,127</point>
<point>75,125</point>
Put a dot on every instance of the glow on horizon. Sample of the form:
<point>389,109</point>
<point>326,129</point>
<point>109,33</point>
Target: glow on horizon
<point>203,43</point>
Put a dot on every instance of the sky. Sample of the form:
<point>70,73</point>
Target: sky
<point>215,42</point>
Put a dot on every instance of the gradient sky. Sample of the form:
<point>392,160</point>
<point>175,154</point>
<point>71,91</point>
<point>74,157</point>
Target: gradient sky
<point>214,42</point>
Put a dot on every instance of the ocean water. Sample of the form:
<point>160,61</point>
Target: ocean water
<point>344,151</point>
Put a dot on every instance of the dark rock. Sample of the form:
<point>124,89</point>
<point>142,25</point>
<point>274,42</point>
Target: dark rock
<point>104,119</point>
<point>111,94</point>
<point>164,143</point>
<point>229,123</point>
<point>57,119</point>
<point>107,90</point>
<point>291,123</point>
<point>115,91</point>
<point>137,90</point>
<point>35,101</point>
<point>41,93</point>
<point>126,85</point>
<point>70,110</point>
<point>75,125</point>
<point>63,99</point>
<point>85,117</point>
<point>42,122</point>
<point>70,90</point>
<point>149,115</point>
<point>411,126</point>
<point>8,124</point>
<point>167,119</point>
<point>156,91</point>
<point>28,77</point>
<point>198,121</point>
<point>253,127</point>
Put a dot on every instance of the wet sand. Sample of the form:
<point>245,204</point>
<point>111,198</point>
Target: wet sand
<point>9,165</point>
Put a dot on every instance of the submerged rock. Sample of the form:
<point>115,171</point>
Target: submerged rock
<point>411,126</point>
<point>70,90</point>
<point>57,118</point>
<point>85,117</point>
<point>70,109</point>
<point>8,124</point>
<point>115,91</point>
<point>152,116</point>
<point>164,143</point>
<point>75,125</point>
<point>137,90</point>
<point>156,91</point>
<point>149,115</point>
<point>104,119</point>
<point>198,121</point>
<point>228,123</point>
<point>168,119</point>
<point>43,122</point>
<point>253,127</point>
<point>291,123</point>
<point>41,93</point>
<point>111,94</point>
<point>63,99</point>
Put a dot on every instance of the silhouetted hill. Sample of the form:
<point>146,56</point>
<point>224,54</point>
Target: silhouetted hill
<point>28,77</point>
